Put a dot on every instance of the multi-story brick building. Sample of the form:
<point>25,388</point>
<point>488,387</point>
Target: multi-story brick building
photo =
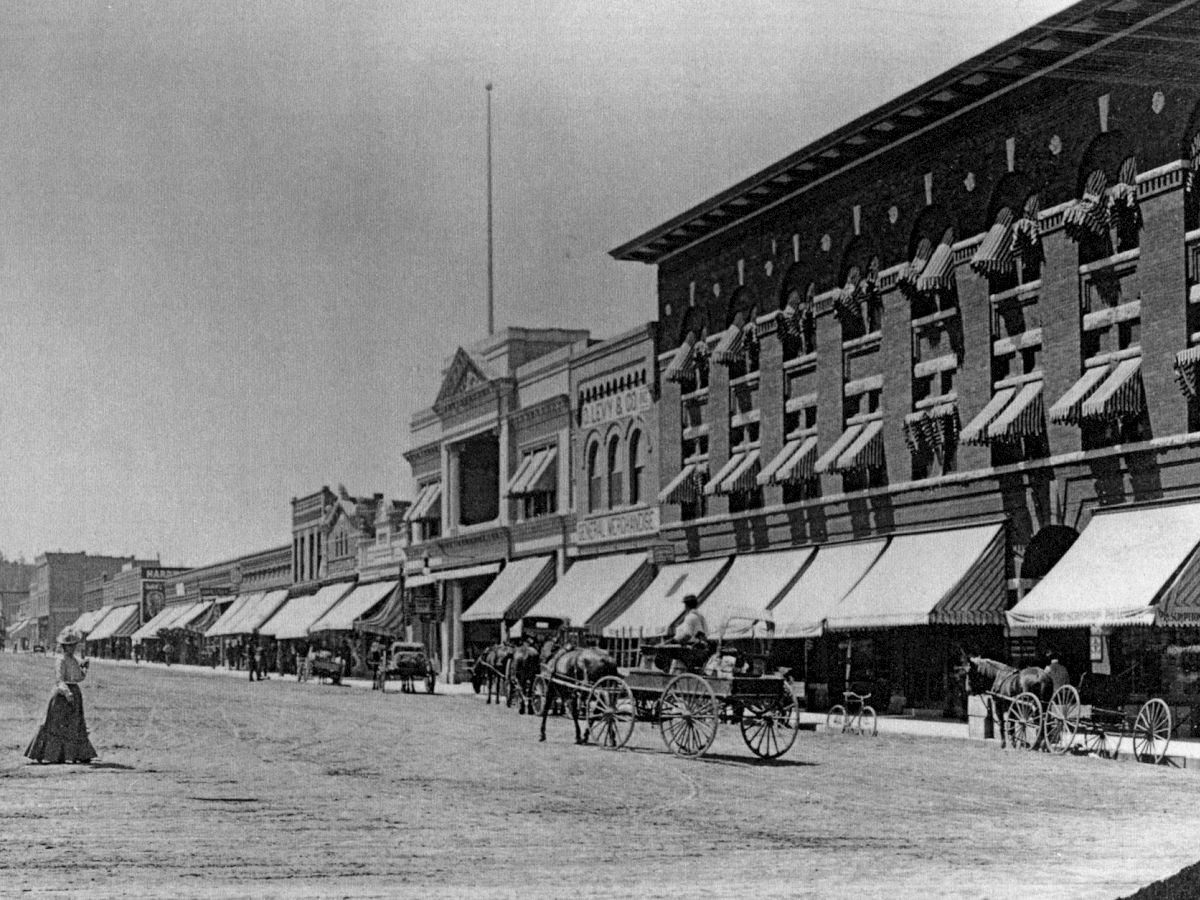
<point>937,340</point>
<point>56,593</point>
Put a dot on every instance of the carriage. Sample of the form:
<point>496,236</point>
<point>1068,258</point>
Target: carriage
<point>730,682</point>
<point>1068,725</point>
<point>1074,726</point>
<point>326,666</point>
<point>407,662</point>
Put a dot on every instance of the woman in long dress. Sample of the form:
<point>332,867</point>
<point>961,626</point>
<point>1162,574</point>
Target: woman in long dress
<point>63,737</point>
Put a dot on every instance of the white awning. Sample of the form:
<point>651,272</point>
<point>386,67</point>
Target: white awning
<point>88,620</point>
<point>592,584</point>
<point>653,613</point>
<point>165,618</point>
<point>293,619</point>
<point>522,583</point>
<point>416,581</point>
<point>220,628</point>
<point>116,620</point>
<point>424,506</point>
<point>1130,566</point>
<point>832,574</point>
<point>953,577</point>
<point>755,580</point>
<point>539,475</point>
<point>519,475</point>
<point>359,602</point>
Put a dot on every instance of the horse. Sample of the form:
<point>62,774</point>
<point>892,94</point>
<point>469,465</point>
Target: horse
<point>523,667</point>
<point>982,675</point>
<point>569,671</point>
<point>490,668</point>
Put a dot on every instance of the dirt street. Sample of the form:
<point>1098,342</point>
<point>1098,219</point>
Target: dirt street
<point>209,786</point>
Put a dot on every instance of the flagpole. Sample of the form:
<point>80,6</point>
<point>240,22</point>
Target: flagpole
<point>491,316</point>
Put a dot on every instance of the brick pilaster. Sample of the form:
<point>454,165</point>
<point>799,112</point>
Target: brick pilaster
<point>771,400</point>
<point>1162,282</point>
<point>973,382</point>
<point>1058,309</point>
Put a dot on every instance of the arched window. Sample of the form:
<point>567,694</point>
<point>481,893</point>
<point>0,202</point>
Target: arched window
<point>595,479</point>
<point>637,467</point>
<point>615,471</point>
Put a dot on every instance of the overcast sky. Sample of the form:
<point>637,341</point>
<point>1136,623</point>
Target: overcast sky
<point>238,242</point>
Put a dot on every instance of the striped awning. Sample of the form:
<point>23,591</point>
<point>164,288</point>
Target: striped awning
<point>516,589</point>
<point>827,461</point>
<point>121,621</point>
<point>1186,363</point>
<point>1088,216</point>
<point>1136,565</point>
<point>292,620</point>
<point>687,486</point>
<point>744,478</point>
<point>929,430</point>
<point>1066,411</point>
<point>793,463</point>
<point>1027,231</point>
<point>865,451</point>
<point>714,483</point>
<point>595,591</point>
<point>683,363</point>
<point>343,614</point>
<point>953,577</point>
<point>907,279</point>
<point>387,621</point>
<point>976,431</point>
<point>165,618</point>
<point>1023,417</point>
<point>938,274</point>
<point>733,343</point>
<point>426,506</point>
<point>1120,395</point>
<point>995,253</point>
<point>536,473</point>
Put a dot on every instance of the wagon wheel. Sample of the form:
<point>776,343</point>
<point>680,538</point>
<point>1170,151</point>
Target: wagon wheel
<point>538,700</point>
<point>1025,721</point>
<point>610,712</point>
<point>769,726</point>
<point>1062,719</point>
<point>835,719</point>
<point>1152,731</point>
<point>688,715</point>
<point>1095,739</point>
<point>430,682</point>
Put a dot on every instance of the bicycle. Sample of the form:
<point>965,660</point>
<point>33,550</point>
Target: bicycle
<point>852,716</point>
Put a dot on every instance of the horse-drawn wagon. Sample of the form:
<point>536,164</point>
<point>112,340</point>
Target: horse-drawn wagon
<point>407,662</point>
<point>326,666</point>
<point>703,686</point>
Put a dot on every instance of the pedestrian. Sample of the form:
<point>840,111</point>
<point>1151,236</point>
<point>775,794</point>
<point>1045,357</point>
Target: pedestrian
<point>137,653</point>
<point>1057,671</point>
<point>167,650</point>
<point>256,668</point>
<point>63,736</point>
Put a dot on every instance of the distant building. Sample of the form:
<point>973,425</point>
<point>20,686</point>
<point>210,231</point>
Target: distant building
<point>56,592</point>
<point>135,583</point>
<point>262,571</point>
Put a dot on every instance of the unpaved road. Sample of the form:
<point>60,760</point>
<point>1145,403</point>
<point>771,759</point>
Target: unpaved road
<point>210,786</point>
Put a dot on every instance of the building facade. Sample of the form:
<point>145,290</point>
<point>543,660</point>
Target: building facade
<point>56,593</point>
<point>975,304</point>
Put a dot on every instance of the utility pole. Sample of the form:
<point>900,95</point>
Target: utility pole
<point>491,308</point>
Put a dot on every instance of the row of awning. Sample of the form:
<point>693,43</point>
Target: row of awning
<point>178,615</point>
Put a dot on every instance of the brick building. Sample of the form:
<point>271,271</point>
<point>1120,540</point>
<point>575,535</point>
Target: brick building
<point>56,593</point>
<point>936,341</point>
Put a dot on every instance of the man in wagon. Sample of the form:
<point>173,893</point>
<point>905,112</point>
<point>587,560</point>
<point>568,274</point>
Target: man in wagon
<point>688,645</point>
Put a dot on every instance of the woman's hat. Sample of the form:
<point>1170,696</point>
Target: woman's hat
<point>70,636</point>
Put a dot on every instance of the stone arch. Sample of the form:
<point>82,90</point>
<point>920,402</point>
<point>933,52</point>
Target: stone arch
<point>1045,549</point>
<point>742,301</point>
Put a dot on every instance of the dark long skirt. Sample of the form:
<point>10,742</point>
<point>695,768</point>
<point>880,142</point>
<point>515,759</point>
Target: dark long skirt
<point>63,737</point>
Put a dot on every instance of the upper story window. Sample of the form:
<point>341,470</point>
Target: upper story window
<point>637,468</point>
<point>616,472</point>
<point>535,482</point>
<point>1106,218</point>
<point>595,478</point>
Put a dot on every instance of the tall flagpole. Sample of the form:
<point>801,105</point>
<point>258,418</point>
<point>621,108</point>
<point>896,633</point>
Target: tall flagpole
<point>490,295</point>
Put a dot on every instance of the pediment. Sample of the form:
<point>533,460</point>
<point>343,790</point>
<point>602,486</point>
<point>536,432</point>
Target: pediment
<point>463,377</point>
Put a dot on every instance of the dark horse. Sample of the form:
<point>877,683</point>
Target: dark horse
<point>569,672</point>
<point>490,669</point>
<point>523,668</point>
<point>987,675</point>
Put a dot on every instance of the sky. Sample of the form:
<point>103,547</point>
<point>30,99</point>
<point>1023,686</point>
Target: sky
<point>239,242</point>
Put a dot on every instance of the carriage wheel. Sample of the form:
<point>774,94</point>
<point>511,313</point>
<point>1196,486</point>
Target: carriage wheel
<point>538,700</point>
<point>1095,740</point>
<point>610,712</point>
<point>835,719</point>
<point>1152,731</point>
<point>769,726</point>
<point>430,682</point>
<point>1062,719</point>
<point>1025,721</point>
<point>688,715</point>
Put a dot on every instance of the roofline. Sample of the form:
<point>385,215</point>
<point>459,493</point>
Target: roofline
<point>998,66</point>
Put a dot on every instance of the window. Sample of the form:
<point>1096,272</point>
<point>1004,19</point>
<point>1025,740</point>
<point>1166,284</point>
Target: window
<point>615,472</point>
<point>595,479</point>
<point>637,467</point>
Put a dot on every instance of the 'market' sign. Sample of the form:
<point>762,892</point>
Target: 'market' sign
<point>618,406</point>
